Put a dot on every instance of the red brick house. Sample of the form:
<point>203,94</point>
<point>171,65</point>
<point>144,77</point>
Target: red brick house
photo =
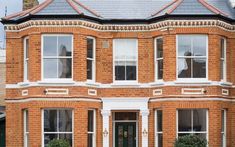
<point>121,73</point>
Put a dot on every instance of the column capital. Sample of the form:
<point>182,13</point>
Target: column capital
<point>106,112</point>
<point>144,112</point>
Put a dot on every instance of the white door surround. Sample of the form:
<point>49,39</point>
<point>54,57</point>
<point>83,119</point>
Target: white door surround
<point>123,104</point>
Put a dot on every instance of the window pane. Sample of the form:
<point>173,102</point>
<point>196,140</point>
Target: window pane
<point>160,140</point>
<point>184,46</point>
<point>160,69</point>
<point>120,70</point>
<point>90,140</point>
<point>90,45</point>
<point>199,120</point>
<point>65,120</point>
<point>125,116</point>
<point>65,68</point>
<point>67,137</point>
<point>222,69</point>
<point>65,45</point>
<point>50,68</point>
<point>49,137</point>
<point>50,121</point>
<point>131,71</point>
<point>183,134</point>
<point>89,69</point>
<point>159,120</point>
<point>199,68</point>
<point>222,120</point>
<point>125,49</point>
<point>50,46</point>
<point>222,49</point>
<point>159,48</point>
<point>90,121</point>
<point>184,120</point>
<point>27,48</point>
<point>184,67</point>
<point>201,135</point>
<point>26,120</point>
<point>199,45</point>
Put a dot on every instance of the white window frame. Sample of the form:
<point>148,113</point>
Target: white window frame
<point>156,127</point>
<point>26,60</point>
<point>156,59</point>
<point>93,60</point>
<point>223,133</point>
<point>56,57</point>
<point>207,50</point>
<point>125,82</point>
<point>192,132</point>
<point>94,127</point>
<point>57,109</point>
<point>224,60</point>
<point>26,134</point>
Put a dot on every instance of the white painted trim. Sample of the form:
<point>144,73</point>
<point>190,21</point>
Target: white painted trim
<point>94,127</point>
<point>190,99</point>
<point>42,57</point>
<point>125,82</point>
<point>56,91</point>
<point>26,60</point>
<point>25,117</point>
<point>192,80</point>
<point>156,133</point>
<point>225,129</point>
<point>52,100</point>
<point>224,79</point>
<point>155,59</point>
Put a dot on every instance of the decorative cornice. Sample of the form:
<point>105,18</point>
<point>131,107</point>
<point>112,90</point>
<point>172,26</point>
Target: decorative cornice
<point>120,27</point>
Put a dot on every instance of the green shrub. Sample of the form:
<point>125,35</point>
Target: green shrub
<point>58,143</point>
<point>190,141</point>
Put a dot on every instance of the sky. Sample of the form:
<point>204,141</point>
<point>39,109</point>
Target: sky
<point>12,7</point>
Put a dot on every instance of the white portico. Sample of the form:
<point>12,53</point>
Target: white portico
<point>125,104</point>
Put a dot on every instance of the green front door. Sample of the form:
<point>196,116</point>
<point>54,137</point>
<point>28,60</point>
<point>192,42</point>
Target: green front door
<point>125,134</point>
<point>2,134</point>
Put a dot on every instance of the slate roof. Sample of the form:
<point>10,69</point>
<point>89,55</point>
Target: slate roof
<point>128,9</point>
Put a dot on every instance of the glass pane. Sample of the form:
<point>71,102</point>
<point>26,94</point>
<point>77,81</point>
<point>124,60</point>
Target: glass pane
<point>89,69</point>
<point>27,140</point>
<point>222,49</point>
<point>130,137</point>
<point>50,121</point>
<point>26,120</point>
<point>199,68</point>
<point>202,135</point>
<point>67,137</point>
<point>90,45</point>
<point>130,72</point>
<point>49,137</point>
<point>222,120</point>
<point>159,120</point>
<point>120,136</point>
<point>199,45</point>
<point>199,120</point>
<point>184,67</point>
<point>160,140</point>
<point>90,121</point>
<point>159,48</point>
<point>65,46</point>
<point>184,120</point>
<point>159,69</point>
<point>27,48</point>
<point>50,68</point>
<point>125,49</point>
<point>184,46</point>
<point>90,140</point>
<point>183,134</point>
<point>119,70</point>
<point>65,68</point>
<point>50,46</point>
<point>125,116</point>
<point>222,69</point>
<point>65,120</point>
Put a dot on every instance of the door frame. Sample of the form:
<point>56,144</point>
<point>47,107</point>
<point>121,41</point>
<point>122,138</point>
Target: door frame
<point>123,121</point>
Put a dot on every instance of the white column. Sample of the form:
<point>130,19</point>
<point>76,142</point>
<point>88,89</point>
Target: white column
<point>106,114</point>
<point>144,114</point>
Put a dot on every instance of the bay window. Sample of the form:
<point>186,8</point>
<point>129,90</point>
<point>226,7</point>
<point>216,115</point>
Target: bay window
<point>57,56</point>
<point>158,58</point>
<point>192,122</point>
<point>158,129</point>
<point>26,58</point>
<point>57,124</point>
<point>91,141</point>
<point>192,56</point>
<point>223,59</point>
<point>90,58</point>
<point>125,59</point>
